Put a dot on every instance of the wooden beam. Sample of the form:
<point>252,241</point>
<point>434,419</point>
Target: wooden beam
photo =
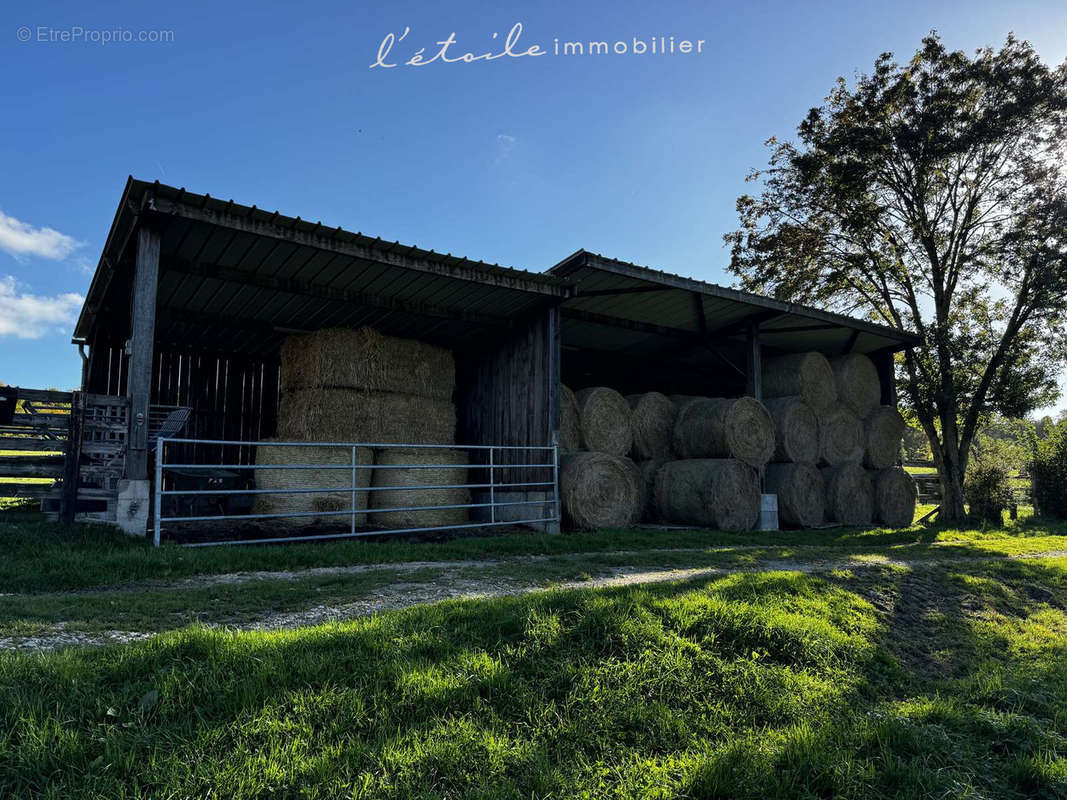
<point>887,378</point>
<point>698,313</point>
<point>308,289</point>
<point>627,324</point>
<point>753,362</point>
<point>31,466</point>
<point>553,345</point>
<point>627,290</point>
<point>27,445</point>
<point>72,462</point>
<point>142,347</point>
<point>742,325</point>
<point>850,343</point>
<point>27,490</point>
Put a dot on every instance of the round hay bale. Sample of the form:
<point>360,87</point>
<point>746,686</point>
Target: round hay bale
<point>856,380</point>
<point>849,494</point>
<point>336,482</point>
<point>806,374</point>
<point>895,495</point>
<point>883,432</point>
<point>604,416</point>
<point>801,496</point>
<point>409,494</point>
<point>598,490</point>
<point>708,492</point>
<point>647,489</point>
<point>365,359</point>
<point>652,425</point>
<point>347,415</point>
<point>796,429</point>
<point>711,427</point>
<point>570,427</point>
<point>840,437</point>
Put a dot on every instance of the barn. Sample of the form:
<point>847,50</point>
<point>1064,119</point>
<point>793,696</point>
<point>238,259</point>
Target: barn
<point>195,297</point>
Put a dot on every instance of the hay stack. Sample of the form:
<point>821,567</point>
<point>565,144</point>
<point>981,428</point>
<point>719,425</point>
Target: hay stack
<point>367,360</point>
<point>570,428</point>
<point>883,432</point>
<point>801,496</point>
<point>414,477</point>
<point>894,497</point>
<point>856,380</point>
<point>337,482</point>
<point>796,429</point>
<point>349,415</point>
<point>720,493</point>
<point>652,425</point>
<point>840,437</point>
<point>849,494</point>
<point>738,428</point>
<point>599,490</point>
<point>647,470</point>
<point>604,416</point>
<point>806,374</point>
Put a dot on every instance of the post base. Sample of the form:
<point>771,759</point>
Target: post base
<point>132,508</point>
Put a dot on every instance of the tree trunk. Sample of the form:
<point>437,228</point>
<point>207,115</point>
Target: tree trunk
<point>952,506</point>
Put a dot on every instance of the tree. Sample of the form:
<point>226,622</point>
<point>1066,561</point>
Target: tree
<point>930,196</point>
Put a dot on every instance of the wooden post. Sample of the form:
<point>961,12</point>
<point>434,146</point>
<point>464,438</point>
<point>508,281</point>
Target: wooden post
<point>553,344</point>
<point>71,466</point>
<point>883,362</point>
<point>753,363</point>
<point>141,348</point>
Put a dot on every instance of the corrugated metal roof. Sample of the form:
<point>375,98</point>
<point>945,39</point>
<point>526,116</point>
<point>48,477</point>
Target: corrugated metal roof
<point>624,307</point>
<point>231,275</point>
<point>236,278</point>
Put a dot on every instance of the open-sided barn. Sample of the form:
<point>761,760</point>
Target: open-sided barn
<point>194,297</point>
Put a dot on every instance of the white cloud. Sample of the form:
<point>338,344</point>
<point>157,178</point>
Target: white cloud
<point>22,239</point>
<point>505,144</point>
<point>31,316</point>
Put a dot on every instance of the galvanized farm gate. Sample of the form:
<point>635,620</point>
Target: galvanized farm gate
<point>508,486</point>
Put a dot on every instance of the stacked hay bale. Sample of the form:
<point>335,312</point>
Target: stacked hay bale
<point>393,469</point>
<point>599,486</point>
<point>838,401</point>
<point>717,427</point>
<point>342,385</point>
<point>718,445</point>
<point>720,493</point>
<point>337,483</point>
<point>599,490</point>
<point>829,450</point>
<point>793,475</point>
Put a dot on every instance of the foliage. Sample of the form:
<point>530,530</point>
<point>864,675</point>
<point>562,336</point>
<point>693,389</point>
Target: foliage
<point>988,490</point>
<point>915,444</point>
<point>1048,470</point>
<point>930,195</point>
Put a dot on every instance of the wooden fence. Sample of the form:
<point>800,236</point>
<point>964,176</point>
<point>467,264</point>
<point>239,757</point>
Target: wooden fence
<point>929,484</point>
<point>66,449</point>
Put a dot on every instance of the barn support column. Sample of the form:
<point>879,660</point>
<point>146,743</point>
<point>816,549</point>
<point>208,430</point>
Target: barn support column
<point>753,363</point>
<point>134,491</point>
<point>554,413</point>
<point>883,362</point>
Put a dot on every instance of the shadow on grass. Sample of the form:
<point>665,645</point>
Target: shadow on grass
<point>889,683</point>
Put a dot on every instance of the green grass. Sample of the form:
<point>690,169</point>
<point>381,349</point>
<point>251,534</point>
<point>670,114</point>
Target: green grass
<point>948,680</point>
<point>39,556</point>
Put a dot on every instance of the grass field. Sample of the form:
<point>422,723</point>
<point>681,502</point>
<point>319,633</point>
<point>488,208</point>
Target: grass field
<point>931,665</point>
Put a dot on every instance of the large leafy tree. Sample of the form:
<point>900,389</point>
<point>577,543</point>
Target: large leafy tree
<point>931,195</point>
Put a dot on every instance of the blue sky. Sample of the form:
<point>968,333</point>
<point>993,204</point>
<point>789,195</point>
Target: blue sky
<point>517,160</point>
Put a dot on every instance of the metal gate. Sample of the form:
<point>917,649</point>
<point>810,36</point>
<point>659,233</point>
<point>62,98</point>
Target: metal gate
<point>507,486</point>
